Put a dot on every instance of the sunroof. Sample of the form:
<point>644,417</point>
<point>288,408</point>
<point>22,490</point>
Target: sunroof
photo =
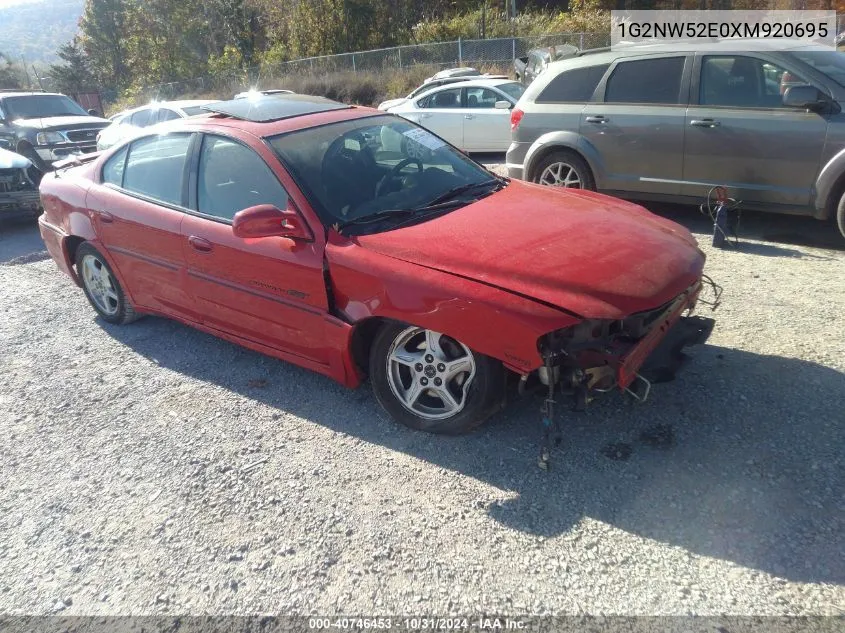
<point>264,108</point>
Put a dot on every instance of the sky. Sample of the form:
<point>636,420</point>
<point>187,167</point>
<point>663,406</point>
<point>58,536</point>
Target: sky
<point>9,3</point>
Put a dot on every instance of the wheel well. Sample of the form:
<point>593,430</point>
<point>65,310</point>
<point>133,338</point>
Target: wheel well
<point>833,198</point>
<point>72,245</point>
<point>541,155</point>
<point>362,341</point>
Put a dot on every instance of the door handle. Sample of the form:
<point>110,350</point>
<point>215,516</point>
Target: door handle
<point>424,115</point>
<point>200,244</point>
<point>468,116</point>
<point>704,123</point>
<point>597,119</point>
<point>106,217</point>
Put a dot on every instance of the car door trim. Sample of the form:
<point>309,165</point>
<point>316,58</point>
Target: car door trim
<point>146,258</point>
<point>255,293</point>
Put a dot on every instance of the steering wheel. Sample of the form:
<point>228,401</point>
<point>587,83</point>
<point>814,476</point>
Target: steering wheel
<point>394,174</point>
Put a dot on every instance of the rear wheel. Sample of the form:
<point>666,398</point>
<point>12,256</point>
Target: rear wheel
<point>564,169</point>
<point>840,215</point>
<point>101,286</point>
<point>432,382</point>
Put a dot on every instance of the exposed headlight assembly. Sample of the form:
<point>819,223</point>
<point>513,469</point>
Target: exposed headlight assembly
<point>50,138</point>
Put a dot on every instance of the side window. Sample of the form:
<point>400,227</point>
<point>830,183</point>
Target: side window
<point>573,86</point>
<point>482,98</point>
<point>113,169</point>
<point>156,165</point>
<point>450,98</point>
<point>232,177</point>
<point>165,114</point>
<point>743,82</point>
<point>646,81</point>
<point>142,118</point>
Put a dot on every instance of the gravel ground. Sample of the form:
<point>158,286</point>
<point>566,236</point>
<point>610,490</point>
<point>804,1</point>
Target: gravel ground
<point>155,469</point>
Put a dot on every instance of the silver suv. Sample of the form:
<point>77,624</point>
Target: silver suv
<point>661,123</point>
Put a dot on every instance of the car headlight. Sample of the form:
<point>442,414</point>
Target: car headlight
<point>49,138</point>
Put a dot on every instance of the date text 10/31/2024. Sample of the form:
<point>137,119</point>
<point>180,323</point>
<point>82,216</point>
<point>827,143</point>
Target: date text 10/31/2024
<point>417,624</point>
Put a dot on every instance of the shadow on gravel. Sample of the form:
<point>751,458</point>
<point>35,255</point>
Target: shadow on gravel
<point>740,458</point>
<point>20,242</point>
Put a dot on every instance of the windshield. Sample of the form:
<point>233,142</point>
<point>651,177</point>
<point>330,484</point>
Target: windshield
<point>512,89</point>
<point>355,169</point>
<point>831,63</point>
<point>40,106</point>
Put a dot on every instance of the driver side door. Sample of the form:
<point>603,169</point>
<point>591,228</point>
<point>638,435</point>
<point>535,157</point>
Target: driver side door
<point>269,290</point>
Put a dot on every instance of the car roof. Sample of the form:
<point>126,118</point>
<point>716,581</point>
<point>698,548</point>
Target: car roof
<point>290,123</point>
<point>29,93</point>
<point>592,57</point>
<point>472,83</point>
<point>275,107</point>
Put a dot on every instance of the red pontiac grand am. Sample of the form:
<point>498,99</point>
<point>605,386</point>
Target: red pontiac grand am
<point>286,225</point>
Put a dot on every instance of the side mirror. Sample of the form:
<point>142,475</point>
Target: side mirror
<point>503,105</point>
<point>804,96</point>
<point>265,220</point>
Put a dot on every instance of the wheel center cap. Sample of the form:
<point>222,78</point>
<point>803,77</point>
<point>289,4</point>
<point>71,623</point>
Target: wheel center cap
<point>430,371</point>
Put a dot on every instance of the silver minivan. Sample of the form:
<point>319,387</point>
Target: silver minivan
<point>661,122</point>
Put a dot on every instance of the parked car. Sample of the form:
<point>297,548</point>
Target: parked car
<point>128,123</point>
<point>656,122</point>
<point>448,73</point>
<point>434,83</point>
<point>252,94</point>
<point>18,193</point>
<point>46,127</point>
<point>473,116</point>
<point>528,68</point>
<point>301,238</point>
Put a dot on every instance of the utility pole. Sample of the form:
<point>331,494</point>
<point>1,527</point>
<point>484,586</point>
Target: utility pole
<point>40,85</point>
<point>26,72</point>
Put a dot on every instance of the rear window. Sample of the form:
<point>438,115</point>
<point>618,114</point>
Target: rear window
<point>512,89</point>
<point>156,165</point>
<point>573,86</point>
<point>646,81</point>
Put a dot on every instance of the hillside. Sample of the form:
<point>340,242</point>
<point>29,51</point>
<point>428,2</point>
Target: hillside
<point>36,29</point>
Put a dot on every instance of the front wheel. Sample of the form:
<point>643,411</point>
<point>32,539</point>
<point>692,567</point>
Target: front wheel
<point>429,381</point>
<point>101,286</point>
<point>840,215</point>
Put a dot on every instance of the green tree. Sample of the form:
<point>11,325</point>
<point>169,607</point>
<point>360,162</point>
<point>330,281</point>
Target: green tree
<point>10,76</point>
<point>74,75</point>
<point>103,26</point>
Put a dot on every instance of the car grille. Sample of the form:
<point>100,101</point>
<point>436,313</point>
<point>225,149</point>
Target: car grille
<point>82,136</point>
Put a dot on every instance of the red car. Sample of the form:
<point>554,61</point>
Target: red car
<point>284,225</point>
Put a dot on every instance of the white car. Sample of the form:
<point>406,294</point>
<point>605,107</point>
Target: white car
<point>474,116</point>
<point>130,122</point>
<point>431,83</point>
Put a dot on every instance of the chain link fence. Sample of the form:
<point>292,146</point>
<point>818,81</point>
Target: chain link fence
<point>499,53</point>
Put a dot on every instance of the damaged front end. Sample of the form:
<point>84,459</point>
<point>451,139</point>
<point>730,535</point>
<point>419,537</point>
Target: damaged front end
<point>18,193</point>
<point>598,356</point>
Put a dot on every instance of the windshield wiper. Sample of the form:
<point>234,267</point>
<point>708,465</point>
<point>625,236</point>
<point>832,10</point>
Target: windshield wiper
<point>454,192</point>
<point>375,217</point>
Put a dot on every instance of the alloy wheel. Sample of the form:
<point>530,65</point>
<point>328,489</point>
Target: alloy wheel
<point>100,285</point>
<point>561,175</point>
<point>430,373</point>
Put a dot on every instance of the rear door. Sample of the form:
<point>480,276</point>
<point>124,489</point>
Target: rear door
<point>268,290</point>
<point>138,211</point>
<point>486,129</point>
<point>636,124</point>
<point>442,112</point>
<point>739,134</point>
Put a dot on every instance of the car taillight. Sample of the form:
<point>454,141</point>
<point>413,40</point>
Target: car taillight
<point>516,117</point>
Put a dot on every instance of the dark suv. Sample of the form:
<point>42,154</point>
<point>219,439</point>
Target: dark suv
<point>47,127</point>
<point>658,122</point>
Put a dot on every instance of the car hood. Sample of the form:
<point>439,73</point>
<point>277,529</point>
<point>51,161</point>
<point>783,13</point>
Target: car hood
<point>391,103</point>
<point>11,160</point>
<point>586,253</point>
<point>63,122</point>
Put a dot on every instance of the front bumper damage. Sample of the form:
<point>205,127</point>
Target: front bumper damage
<point>628,355</point>
<point>18,196</point>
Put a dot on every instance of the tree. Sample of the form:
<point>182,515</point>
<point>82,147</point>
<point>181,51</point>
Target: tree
<point>103,26</point>
<point>9,74</point>
<point>74,75</point>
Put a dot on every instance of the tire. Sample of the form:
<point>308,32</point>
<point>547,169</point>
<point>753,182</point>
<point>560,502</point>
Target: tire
<point>572,167</point>
<point>840,215</point>
<point>477,389</point>
<point>104,293</point>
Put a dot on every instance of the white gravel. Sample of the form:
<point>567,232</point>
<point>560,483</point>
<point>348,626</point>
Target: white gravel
<point>154,469</point>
